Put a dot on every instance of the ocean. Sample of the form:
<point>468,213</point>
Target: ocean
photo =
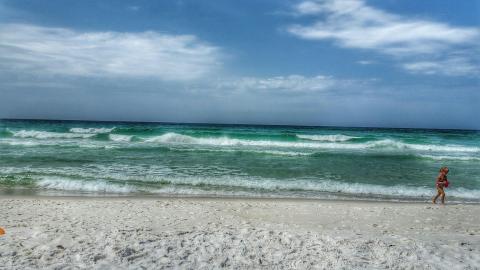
<point>164,159</point>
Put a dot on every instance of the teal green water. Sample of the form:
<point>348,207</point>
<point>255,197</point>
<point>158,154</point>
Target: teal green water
<point>112,158</point>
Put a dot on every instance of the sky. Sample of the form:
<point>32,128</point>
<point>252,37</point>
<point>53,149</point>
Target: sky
<point>380,63</point>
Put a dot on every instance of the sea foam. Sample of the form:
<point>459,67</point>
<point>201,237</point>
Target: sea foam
<point>327,138</point>
<point>329,186</point>
<point>92,130</point>
<point>120,138</point>
<point>461,158</point>
<point>49,135</point>
<point>246,185</point>
<point>96,186</point>
<point>380,144</point>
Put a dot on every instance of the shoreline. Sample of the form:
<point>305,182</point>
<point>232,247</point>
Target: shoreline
<point>139,196</point>
<point>206,233</point>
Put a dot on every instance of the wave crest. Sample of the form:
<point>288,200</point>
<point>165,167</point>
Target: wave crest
<point>327,138</point>
<point>175,138</point>
<point>50,135</point>
<point>461,158</point>
<point>91,130</point>
<point>120,138</point>
<point>251,186</point>
<point>89,186</point>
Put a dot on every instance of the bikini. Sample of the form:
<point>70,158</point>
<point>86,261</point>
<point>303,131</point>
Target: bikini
<point>442,184</point>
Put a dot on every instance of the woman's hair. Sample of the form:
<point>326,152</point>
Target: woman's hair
<point>443,168</point>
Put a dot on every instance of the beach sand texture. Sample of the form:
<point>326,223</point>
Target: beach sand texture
<point>196,233</point>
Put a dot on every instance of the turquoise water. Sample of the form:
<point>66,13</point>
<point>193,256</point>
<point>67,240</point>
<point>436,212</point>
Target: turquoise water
<point>112,158</point>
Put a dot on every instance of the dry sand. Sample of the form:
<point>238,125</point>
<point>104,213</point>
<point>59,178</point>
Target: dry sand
<point>173,233</point>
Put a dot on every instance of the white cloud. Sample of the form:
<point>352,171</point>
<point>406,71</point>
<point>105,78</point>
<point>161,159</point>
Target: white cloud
<point>354,24</point>
<point>365,62</point>
<point>453,66</point>
<point>62,51</point>
<point>291,83</point>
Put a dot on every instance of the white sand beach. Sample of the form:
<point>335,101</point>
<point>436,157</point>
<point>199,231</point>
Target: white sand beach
<point>213,233</point>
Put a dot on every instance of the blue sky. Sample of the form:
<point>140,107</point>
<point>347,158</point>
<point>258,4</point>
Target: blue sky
<point>384,63</point>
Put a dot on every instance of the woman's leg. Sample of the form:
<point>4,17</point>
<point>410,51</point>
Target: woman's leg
<point>434,200</point>
<point>443,196</point>
<point>439,193</point>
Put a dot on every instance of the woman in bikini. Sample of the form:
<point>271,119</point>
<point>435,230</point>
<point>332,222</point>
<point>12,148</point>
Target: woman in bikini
<point>441,183</point>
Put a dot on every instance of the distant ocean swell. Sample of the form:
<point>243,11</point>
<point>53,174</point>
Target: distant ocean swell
<point>236,160</point>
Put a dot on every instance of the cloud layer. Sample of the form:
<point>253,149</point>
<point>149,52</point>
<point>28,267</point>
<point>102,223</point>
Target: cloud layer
<point>452,66</point>
<point>281,84</point>
<point>60,51</point>
<point>353,24</point>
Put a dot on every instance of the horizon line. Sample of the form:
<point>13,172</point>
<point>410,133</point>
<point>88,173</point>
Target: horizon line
<point>228,124</point>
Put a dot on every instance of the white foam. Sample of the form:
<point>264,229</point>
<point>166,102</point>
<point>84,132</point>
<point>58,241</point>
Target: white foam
<point>120,138</point>
<point>19,143</point>
<point>463,158</point>
<point>388,143</point>
<point>77,185</point>
<point>281,153</point>
<point>49,135</point>
<point>270,152</point>
<point>174,138</point>
<point>235,184</point>
<point>91,130</point>
<point>272,185</point>
<point>327,138</point>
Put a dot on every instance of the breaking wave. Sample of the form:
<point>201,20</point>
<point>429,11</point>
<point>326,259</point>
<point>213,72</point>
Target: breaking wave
<point>80,185</point>
<point>175,138</point>
<point>246,186</point>
<point>50,135</point>
<point>120,138</point>
<point>462,158</point>
<point>92,130</point>
<point>327,138</point>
